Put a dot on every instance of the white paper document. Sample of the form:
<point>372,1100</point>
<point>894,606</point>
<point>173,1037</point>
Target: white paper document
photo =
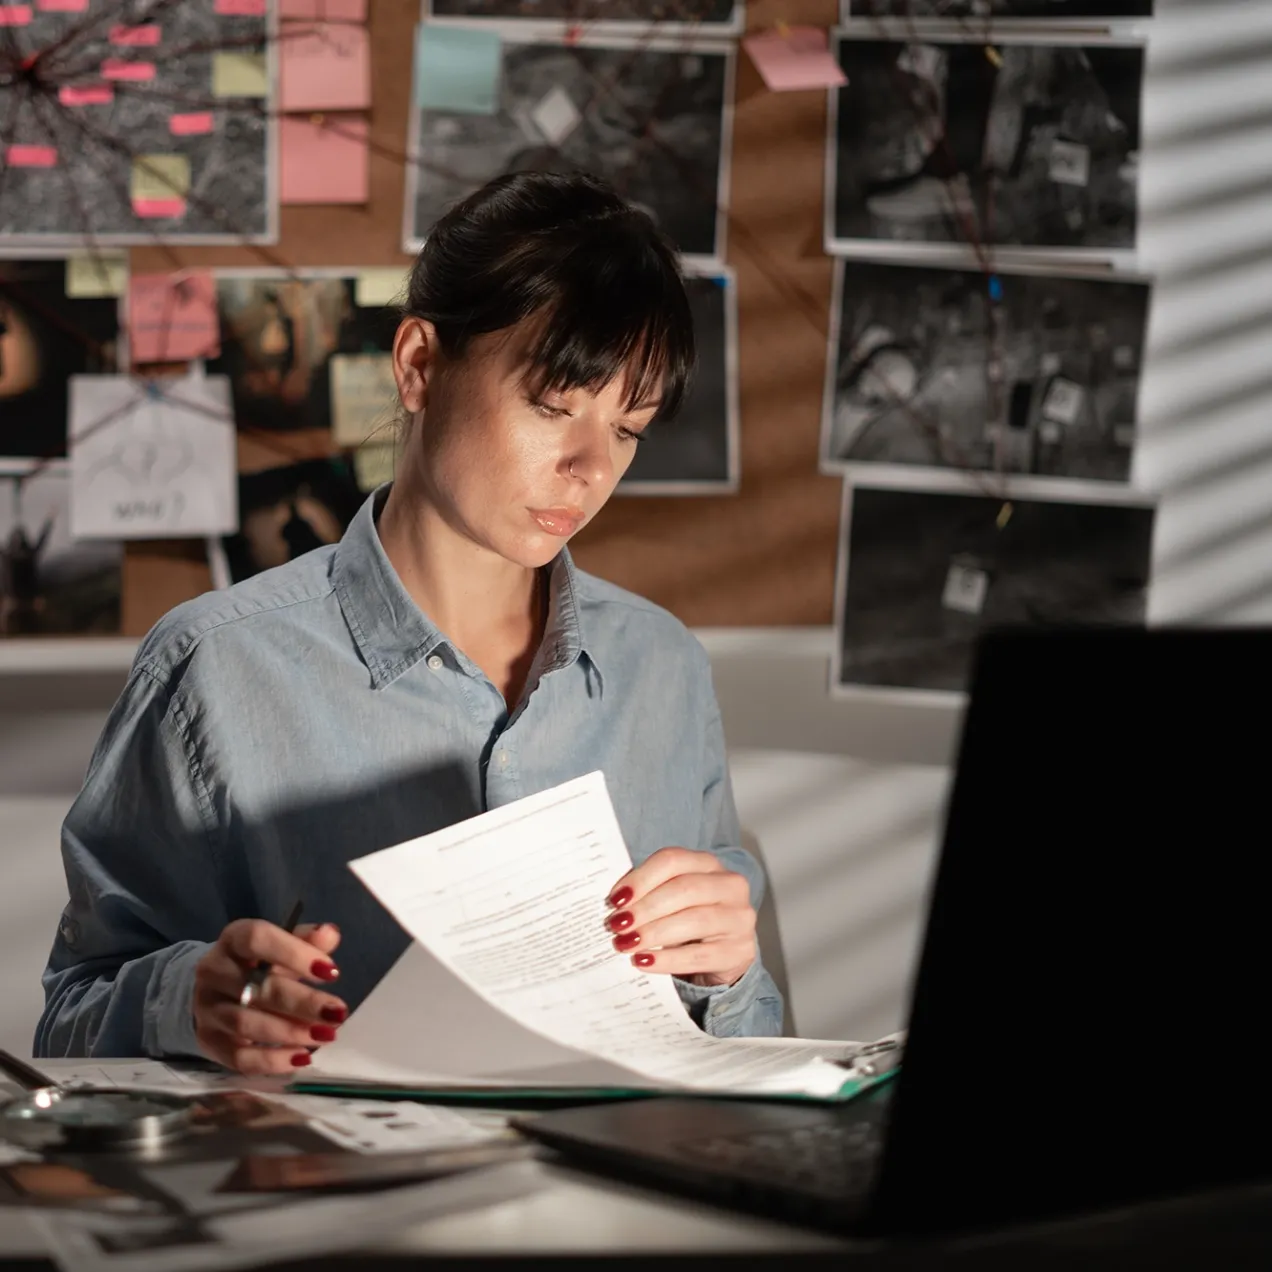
<point>513,979</point>
<point>152,459</point>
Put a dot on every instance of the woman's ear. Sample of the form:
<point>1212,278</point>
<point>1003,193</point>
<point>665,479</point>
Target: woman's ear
<point>415,350</point>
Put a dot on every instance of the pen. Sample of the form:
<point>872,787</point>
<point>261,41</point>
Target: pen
<point>25,1075</point>
<point>256,977</point>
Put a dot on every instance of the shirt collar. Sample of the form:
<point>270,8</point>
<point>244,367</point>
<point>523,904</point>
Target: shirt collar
<point>392,632</point>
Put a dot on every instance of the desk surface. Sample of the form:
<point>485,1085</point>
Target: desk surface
<point>554,1211</point>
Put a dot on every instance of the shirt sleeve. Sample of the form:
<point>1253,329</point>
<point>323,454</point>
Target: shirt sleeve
<point>752,1006</point>
<point>139,847</point>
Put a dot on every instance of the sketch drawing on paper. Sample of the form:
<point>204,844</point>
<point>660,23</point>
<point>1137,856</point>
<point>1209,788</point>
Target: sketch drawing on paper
<point>1036,148</point>
<point>922,572</point>
<point>1013,371</point>
<point>650,117</point>
<point>152,458</point>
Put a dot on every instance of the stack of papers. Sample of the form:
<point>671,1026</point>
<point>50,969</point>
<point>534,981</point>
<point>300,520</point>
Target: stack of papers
<point>512,984</point>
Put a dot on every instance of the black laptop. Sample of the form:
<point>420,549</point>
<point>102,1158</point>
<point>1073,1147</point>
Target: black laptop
<point>1088,1018</point>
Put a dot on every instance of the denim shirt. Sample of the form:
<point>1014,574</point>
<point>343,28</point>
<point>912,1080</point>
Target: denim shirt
<point>271,733</point>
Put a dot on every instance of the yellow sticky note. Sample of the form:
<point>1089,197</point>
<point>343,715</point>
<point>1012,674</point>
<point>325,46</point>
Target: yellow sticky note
<point>373,465</point>
<point>96,275</point>
<point>363,397</point>
<point>239,75</point>
<point>156,178</point>
<point>374,287</point>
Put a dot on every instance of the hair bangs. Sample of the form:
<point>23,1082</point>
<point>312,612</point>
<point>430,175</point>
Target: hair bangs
<point>608,323</point>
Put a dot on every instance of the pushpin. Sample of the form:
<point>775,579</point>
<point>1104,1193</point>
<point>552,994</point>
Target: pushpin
<point>995,287</point>
<point>317,119</point>
<point>1004,515</point>
<point>995,57</point>
<point>572,34</point>
<point>783,30</point>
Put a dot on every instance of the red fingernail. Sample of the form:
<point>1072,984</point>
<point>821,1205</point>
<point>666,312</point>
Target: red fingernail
<point>301,1059</point>
<point>323,970</point>
<point>621,898</point>
<point>643,960</point>
<point>336,1015</point>
<point>628,941</point>
<point>623,919</point>
<point>322,1033</point>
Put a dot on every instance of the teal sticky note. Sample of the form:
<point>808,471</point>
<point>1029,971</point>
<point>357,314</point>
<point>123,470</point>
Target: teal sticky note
<point>457,69</point>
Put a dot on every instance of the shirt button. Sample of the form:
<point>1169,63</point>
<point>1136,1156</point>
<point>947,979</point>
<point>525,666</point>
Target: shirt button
<point>435,662</point>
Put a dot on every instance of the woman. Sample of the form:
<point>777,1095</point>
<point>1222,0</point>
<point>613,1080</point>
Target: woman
<point>445,657</point>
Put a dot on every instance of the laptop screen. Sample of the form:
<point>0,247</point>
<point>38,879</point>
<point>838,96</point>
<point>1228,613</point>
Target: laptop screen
<point>1088,1010</point>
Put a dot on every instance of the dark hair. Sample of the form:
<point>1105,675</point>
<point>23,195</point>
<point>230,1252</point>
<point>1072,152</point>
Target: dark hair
<point>567,248</point>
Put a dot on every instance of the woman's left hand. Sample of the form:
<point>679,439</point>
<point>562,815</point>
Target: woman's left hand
<point>683,913</point>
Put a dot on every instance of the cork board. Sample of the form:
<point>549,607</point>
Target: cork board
<point>764,556</point>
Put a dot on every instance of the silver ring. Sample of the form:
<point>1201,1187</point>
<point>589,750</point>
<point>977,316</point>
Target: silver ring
<point>247,995</point>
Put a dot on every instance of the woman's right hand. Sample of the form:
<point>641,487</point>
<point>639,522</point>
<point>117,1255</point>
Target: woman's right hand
<point>286,1017</point>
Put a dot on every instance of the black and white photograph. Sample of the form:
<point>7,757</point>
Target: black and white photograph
<point>724,17</point>
<point>923,572</point>
<point>697,452</point>
<point>92,149</point>
<point>1022,145</point>
<point>651,117</point>
<point>283,513</point>
<point>1012,371</point>
<point>1052,10</point>
<point>46,337</point>
<point>279,333</point>
<point>51,584</point>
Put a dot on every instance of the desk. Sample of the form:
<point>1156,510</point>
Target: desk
<point>563,1213</point>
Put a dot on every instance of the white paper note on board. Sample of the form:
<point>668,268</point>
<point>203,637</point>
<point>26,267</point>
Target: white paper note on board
<point>152,459</point>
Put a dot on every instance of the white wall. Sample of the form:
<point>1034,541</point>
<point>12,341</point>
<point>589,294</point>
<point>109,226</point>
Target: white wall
<point>845,797</point>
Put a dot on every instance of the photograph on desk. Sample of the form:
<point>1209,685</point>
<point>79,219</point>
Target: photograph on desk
<point>1017,371</point>
<point>48,333</point>
<point>297,346</point>
<point>697,452</point>
<point>283,513</point>
<point>922,571</point>
<point>1020,144</point>
<point>51,583</point>
<point>652,117</point>
<point>1055,10</point>
<point>722,17</point>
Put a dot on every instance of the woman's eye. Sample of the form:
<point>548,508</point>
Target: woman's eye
<point>630,435</point>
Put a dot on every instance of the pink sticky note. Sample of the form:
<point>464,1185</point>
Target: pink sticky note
<point>61,6</point>
<point>31,157</point>
<point>136,37</point>
<point>191,124</point>
<point>322,163</point>
<point>241,8</point>
<point>159,209</point>
<point>172,317</point>
<point>15,14</point>
<point>86,94</point>
<point>325,67</point>
<point>323,10</point>
<point>794,58</point>
<point>116,69</point>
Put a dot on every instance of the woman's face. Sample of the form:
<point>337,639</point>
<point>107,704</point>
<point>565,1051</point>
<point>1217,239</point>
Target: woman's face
<point>514,471</point>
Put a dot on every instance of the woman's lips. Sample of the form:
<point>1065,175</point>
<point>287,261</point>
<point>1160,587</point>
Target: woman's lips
<point>562,522</point>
